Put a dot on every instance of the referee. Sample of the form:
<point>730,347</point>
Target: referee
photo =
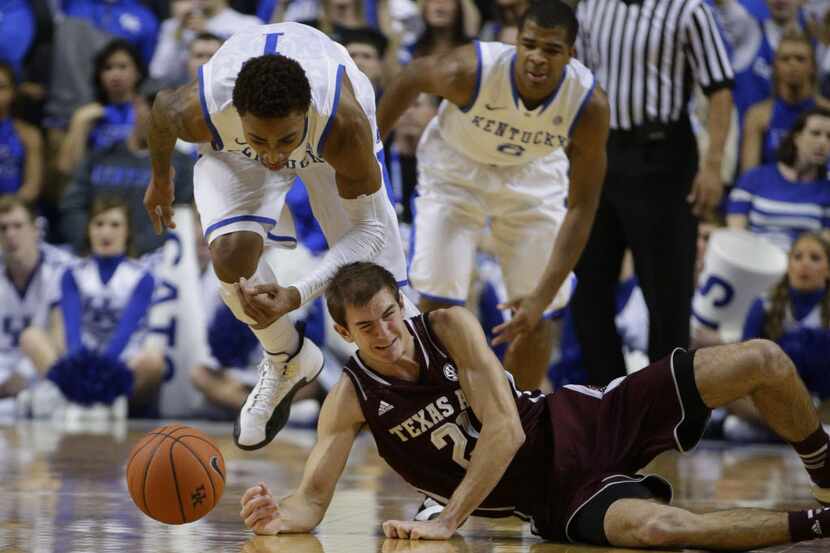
<point>647,55</point>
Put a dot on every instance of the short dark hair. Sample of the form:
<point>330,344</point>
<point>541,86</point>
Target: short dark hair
<point>10,202</point>
<point>788,152</point>
<point>271,86</point>
<point>356,284</point>
<point>204,35</point>
<point>549,14</point>
<point>367,35</point>
<point>103,56</point>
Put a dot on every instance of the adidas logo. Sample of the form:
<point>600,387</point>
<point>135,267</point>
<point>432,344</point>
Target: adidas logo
<point>384,408</point>
<point>817,529</point>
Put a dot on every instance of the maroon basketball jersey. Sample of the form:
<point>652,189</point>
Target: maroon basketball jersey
<point>426,430</point>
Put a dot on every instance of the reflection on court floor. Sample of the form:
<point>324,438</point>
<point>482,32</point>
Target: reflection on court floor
<point>63,490</point>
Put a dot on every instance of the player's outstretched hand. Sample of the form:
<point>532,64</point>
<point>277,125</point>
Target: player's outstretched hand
<point>527,312</point>
<point>418,530</point>
<point>260,511</point>
<point>265,303</point>
<point>158,201</point>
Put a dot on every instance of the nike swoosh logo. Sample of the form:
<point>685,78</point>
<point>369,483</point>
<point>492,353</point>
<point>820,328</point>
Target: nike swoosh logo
<point>493,108</point>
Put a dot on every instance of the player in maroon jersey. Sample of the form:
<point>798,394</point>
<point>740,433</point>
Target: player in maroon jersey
<point>447,417</point>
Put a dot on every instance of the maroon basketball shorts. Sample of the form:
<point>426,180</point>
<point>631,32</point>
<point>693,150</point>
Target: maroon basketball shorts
<point>603,436</point>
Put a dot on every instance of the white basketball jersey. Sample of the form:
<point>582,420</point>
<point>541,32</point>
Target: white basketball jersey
<point>31,305</point>
<point>496,128</point>
<point>102,304</point>
<point>324,61</point>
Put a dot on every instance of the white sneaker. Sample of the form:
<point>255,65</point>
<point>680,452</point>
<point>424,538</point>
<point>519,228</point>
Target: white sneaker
<point>266,410</point>
<point>428,510</point>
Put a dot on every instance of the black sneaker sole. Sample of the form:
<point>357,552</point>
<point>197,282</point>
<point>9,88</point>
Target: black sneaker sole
<point>279,418</point>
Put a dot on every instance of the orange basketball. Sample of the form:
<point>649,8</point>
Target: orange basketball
<point>176,474</point>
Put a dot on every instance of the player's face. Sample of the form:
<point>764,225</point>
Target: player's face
<point>108,232</point>
<point>809,268</point>
<point>813,142</point>
<point>541,56</point>
<point>273,139</point>
<point>378,330</point>
<point>794,63</point>
<point>18,234</point>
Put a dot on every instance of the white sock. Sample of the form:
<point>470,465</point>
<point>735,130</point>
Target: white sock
<point>281,338</point>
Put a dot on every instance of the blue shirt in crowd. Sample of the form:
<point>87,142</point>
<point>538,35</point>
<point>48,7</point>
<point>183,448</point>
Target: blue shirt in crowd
<point>17,31</point>
<point>779,209</point>
<point>127,19</point>
<point>12,158</point>
<point>781,120</point>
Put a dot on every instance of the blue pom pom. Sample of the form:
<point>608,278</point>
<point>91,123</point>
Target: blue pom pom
<point>87,377</point>
<point>231,341</point>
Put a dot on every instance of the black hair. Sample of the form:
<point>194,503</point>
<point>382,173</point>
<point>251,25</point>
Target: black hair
<point>367,35</point>
<point>271,86</point>
<point>788,152</point>
<point>552,13</point>
<point>103,56</point>
<point>356,284</point>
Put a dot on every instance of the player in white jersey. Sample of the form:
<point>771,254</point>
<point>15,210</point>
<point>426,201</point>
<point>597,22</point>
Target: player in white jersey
<point>276,102</point>
<point>495,153</point>
<point>30,274</point>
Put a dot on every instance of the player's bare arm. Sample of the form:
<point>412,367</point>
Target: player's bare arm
<point>350,149</point>
<point>338,426</point>
<point>451,76</point>
<point>587,156</point>
<point>482,378</point>
<point>176,114</point>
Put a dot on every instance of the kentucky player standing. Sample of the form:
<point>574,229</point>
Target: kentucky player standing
<point>496,150</point>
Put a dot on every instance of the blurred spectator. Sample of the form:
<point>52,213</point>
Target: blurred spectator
<point>37,65</point>
<point>447,25</point>
<point>796,313</point>
<point>400,154</point>
<point>367,48</point>
<point>201,50</point>
<point>123,170</point>
<point>21,146</point>
<point>335,16</point>
<point>767,122</point>
<point>127,19</point>
<point>505,26</point>
<point>754,38</point>
<point>118,73</point>
<point>781,200</point>
<point>104,302</point>
<point>30,273</point>
<point>17,29</point>
<point>189,19</point>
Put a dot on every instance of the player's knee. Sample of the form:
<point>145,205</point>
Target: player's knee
<point>666,528</point>
<point>772,364</point>
<point>235,255</point>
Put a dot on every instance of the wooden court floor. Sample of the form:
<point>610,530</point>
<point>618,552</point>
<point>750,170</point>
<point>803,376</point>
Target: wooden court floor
<point>62,490</point>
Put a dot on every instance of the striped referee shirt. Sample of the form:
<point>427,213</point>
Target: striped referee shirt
<point>646,54</point>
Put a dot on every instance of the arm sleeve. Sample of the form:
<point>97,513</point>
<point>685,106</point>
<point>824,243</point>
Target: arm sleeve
<point>132,316</point>
<point>362,242</point>
<point>71,309</point>
<point>166,65</point>
<point>754,322</point>
<point>707,51</point>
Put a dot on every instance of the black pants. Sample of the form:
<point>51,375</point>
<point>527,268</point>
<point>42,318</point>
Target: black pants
<point>643,207</point>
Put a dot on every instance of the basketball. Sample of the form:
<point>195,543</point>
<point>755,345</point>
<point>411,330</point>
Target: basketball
<point>176,474</point>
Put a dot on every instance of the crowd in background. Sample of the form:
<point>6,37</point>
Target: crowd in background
<point>78,78</point>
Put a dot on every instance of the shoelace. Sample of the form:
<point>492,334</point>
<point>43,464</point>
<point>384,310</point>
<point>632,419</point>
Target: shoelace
<point>268,386</point>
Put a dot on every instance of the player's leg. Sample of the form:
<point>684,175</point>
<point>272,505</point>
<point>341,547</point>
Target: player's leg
<point>760,370</point>
<point>444,247</point>
<point>240,204</point>
<point>647,523</point>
